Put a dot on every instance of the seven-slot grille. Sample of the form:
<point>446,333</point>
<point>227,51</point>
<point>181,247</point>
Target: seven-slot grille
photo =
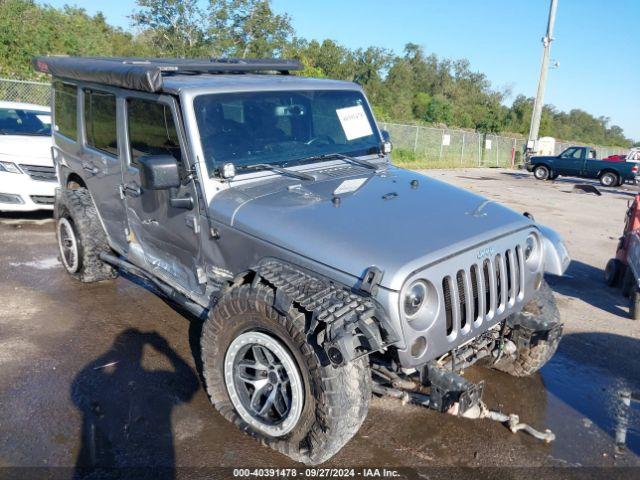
<point>487,288</point>
<point>39,172</point>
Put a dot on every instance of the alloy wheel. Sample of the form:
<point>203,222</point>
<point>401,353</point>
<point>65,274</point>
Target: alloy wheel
<point>68,244</point>
<point>264,383</point>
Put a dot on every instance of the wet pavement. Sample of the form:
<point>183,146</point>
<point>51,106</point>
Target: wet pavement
<point>109,372</point>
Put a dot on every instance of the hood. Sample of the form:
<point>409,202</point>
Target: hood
<point>396,220</point>
<point>27,149</point>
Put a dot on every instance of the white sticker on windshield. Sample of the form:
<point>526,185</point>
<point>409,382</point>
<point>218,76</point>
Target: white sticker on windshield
<point>349,186</point>
<point>354,122</point>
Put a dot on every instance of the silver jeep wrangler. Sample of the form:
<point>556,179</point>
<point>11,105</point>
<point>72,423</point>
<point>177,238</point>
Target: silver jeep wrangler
<point>265,204</point>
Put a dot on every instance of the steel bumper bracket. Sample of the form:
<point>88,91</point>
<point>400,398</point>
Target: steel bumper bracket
<point>450,391</point>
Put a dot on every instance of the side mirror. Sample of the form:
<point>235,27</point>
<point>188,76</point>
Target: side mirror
<point>387,146</point>
<point>159,172</point>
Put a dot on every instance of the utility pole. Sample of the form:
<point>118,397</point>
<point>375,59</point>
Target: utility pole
<point>542,82</point>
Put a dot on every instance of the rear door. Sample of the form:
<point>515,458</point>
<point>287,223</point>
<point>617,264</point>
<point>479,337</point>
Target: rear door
<point>164,238</point>
<point>100,159</point>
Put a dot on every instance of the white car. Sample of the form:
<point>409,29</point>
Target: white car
<point>27,176</point>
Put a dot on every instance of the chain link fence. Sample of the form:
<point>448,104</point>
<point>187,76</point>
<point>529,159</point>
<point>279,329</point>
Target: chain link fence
<point>446,148</point>
<point>428,147</point>
<point>418,146</point>
<point>24,91</point>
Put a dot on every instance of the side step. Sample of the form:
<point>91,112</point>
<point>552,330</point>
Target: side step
<point>166,290</point>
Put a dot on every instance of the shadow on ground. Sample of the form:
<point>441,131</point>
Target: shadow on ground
<point>126,407</point>
<point>586,282</point>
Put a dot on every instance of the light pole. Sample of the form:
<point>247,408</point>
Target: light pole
<point>542,82</point>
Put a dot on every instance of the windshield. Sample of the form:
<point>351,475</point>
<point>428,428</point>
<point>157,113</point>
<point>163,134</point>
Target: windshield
<point>16,121</point>
<point>281,127</point>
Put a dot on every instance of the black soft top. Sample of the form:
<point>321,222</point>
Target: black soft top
<point>146,74</point>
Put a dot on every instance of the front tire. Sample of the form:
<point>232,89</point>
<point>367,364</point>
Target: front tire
<point>322,407</point>
<point>81,237</point>
<point>609,179</point>
<point>528,360</point>
<point>541,172</point>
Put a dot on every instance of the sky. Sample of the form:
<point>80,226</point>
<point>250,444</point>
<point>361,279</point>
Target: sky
<point>597,42</point>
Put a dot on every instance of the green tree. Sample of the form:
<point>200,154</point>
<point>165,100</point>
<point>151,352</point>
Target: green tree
<point>439,110</point>
<point>411,87</point>
<point>174,27</point>
<point>28,29</point>
<point>248,28</point>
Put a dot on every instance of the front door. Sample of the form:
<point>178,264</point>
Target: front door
<point>165,237</point>
<point>571,161</point>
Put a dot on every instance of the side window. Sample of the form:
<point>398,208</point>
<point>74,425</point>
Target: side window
<point>66,107</point>
<point>100,121</point>
<point>151,129</point>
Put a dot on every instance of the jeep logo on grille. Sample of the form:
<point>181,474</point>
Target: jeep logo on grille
<point>486,252</point>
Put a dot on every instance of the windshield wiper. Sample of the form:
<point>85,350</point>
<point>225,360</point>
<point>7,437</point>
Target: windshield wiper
<point>354,161</point>
<point>340,156</point>
<point>283,171</point>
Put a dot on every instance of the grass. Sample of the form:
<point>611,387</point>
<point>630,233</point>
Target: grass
<point>420,161</point>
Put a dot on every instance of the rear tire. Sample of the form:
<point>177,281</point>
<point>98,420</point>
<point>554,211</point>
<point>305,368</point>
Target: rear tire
<point>81,237</point>
<point>335,400</point>
<point>613,272</point>
<point>529,360</point>
<point>628,282</point>
<point>634,304</point>
<point>541,172</point>
<point>609,179</point>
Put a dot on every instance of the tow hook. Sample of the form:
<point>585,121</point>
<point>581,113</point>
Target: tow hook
<point>448,393</point>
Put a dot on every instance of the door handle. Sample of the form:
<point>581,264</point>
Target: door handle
<point>90,168</point>
<point>132,189</point>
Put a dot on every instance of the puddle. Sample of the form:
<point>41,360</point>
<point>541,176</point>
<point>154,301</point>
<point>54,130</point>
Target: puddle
<point>596,398</point>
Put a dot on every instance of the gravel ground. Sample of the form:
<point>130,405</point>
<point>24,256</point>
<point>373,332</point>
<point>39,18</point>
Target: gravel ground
<point>115,355</point>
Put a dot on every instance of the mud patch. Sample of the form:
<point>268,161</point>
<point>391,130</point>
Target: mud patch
<point>16,350</point>
<point>187,428</point>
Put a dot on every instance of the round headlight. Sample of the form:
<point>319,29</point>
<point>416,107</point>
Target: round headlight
<point>531,247</point>
<point>414,299</point>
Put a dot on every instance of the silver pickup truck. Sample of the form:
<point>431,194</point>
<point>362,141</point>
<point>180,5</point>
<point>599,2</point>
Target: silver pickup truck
<point>266,205</point>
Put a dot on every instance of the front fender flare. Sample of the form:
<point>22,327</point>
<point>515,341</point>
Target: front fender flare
<point>343,322</point>
<point>556,255</point>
